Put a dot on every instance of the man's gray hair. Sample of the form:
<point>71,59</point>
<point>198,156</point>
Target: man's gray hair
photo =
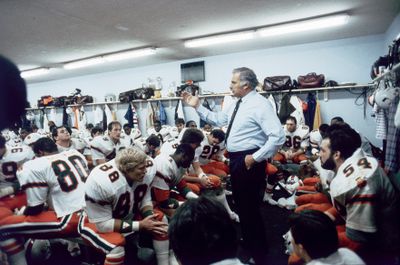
<point>247,77</point>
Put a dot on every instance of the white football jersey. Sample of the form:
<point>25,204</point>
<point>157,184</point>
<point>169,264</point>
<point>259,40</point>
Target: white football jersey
<point>11,161</point>
<point>126,140</point>
<point>362,193</point>
<point>104,148</point>
<point>169,148</point>
<point>76,144</point>
<point>209,151</point>
<point>168,173</point>
<point>298,138</point>
<point>163,134</point>
<point>108,194</point>
<point>56,179</point>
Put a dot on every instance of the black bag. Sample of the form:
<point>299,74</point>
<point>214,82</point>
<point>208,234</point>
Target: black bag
<point>139,93</point>
<point>282,82</point>
<point>191,88</point>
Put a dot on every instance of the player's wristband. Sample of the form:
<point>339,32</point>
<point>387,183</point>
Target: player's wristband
<point>126,226</point>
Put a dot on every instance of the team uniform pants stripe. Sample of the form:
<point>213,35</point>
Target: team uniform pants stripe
<point>43,225</point>
<point>102,241</point>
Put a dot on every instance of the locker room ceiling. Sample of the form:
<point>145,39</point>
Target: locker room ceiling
<point>37,33</point>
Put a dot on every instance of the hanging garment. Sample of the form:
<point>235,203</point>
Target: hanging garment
<point>309,114</point>
<point>381,122</point>
<point>98,116</point>
<point>273,103</point>
<point>52,116</point>
<point>82,119</point>
<point>65,117</point>
<point>179,110</point>
<point>397,116</point>
<point>206,104</point>
<point>129,115</point>
<point>297,103</point>
<point>109,116</point>
<point>286,108</point>
<point>135,116</point>
<point>156,111</point>
<point>75,117</point>
<point>45,122</point>
<point>392,158</point>
<point>150,116</point>
<point>162,114</point>
<point>104,121</point>
<point>317,116</point>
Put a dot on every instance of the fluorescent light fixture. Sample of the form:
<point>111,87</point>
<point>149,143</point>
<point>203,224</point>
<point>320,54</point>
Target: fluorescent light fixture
<point>34,72</point>
<point>311,24</point>
<point>83,63</point>
<point>129,54</point>
<point>219,39</point>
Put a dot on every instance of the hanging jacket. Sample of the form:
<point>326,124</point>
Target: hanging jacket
<point>162,114</point>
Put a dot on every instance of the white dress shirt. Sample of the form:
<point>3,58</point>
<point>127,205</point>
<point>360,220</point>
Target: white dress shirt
<point>256,125</point>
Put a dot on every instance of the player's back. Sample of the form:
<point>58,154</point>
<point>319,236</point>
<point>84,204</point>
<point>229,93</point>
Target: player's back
<point>64,176</point>
<point>11,161</point>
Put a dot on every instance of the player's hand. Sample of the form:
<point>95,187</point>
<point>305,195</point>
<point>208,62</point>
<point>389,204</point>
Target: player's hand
<point>249,161</point>
<point>191,100</point>
<point>150,224</point>
<point>205,182</point>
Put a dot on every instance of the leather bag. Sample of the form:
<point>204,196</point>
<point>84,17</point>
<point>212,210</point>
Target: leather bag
<point>139,93</point>
<point>311,80</point>
<point>273,83</point>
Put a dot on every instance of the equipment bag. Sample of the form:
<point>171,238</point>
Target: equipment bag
<point>311,80</point>
<point>139,93</point>
<point>281,82</point>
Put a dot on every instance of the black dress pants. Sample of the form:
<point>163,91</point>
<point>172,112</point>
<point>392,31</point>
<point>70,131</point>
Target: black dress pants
<point>248,187</point>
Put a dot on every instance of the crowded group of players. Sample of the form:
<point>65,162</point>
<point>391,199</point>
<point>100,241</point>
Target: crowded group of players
<point>101,187</point>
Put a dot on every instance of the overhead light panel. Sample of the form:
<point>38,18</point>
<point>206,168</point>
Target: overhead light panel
<point>129,54</point>
<point>219,39</point>
<point>34,72</point>
<point>83,63</point>
<point>112,57</point>
<point>306,25</point>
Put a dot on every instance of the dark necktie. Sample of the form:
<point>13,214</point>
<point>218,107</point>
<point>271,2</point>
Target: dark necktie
<point>232,118</point>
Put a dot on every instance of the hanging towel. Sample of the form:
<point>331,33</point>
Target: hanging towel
<point>98,116</point>
<point>179,110</point>
<point>108,112</point>
<point>298,112</point>
<point>82,119</point>
<point>150,116</point>
<point>162,114</point>
<point>317,116</point>
<point>45,122</point>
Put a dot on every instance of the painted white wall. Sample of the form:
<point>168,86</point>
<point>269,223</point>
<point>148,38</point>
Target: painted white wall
<point>391,33</point>
<point>346,60</point>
